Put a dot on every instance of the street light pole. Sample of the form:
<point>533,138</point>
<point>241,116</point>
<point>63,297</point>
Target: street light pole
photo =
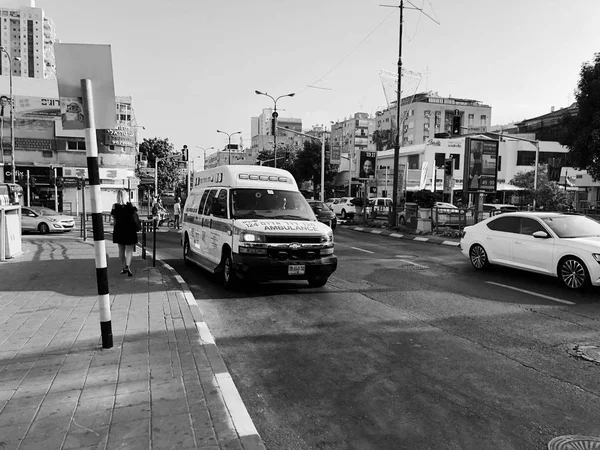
<point>12,114</point>
<point>203,156</point>
<point>274,115</point>
<point>229,137</point>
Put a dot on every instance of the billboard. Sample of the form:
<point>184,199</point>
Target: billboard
<point>481,165</point>
<point>367,165</point>
<point>336,154</point>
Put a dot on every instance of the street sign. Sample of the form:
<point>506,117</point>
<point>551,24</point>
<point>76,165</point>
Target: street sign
<point>146,171</point>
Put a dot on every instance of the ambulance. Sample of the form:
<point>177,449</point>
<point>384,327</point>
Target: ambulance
<point>252,223</point>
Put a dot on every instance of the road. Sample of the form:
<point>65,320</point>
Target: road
<point>407,347</point>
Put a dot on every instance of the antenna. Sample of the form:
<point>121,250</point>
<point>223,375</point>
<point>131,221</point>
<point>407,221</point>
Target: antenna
<point>393,218</point>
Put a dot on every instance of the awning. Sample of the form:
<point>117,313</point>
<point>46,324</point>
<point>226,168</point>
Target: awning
<point>508,187</point>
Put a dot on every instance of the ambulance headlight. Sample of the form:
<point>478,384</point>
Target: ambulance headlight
<point>327,238</point>
<point>247,236</point>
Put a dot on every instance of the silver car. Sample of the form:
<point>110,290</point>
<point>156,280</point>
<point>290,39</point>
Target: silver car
<point>44,220</point>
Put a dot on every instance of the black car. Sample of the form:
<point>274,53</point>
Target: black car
<point>323,213</point>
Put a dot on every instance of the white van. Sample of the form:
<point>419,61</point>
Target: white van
<point>252,222</point>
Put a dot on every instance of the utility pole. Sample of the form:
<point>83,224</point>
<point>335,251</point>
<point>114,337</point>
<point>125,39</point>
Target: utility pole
<point>393,218</point>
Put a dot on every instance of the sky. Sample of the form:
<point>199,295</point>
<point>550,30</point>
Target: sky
<point>192,66</point>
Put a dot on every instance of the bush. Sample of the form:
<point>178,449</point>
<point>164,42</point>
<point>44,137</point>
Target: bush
<point>425,199</point>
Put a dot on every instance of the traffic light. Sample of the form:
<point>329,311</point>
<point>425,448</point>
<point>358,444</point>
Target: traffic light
<point>184,153</point>
<point>274,122</point>
<point>456,126</point>
<point>32,182</point>
<point>78,183</point>
<point>448,167</point>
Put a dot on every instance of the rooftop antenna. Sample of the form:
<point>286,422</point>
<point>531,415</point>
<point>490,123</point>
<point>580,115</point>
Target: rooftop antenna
<point>393,218</point>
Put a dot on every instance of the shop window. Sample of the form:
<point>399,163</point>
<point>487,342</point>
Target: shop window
<point>413,161</point>
<point>439,159</point>
<point>525,158</point>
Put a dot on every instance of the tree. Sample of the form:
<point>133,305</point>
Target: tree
<point>285,158</point>
<point>168,169</point>
<point>307,165</point>
<point>548,195</point>
<point>583,130</point>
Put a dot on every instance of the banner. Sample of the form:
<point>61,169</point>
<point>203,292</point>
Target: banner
<point>367,165</point>
<point>423,181</point>
<point>481,165</point>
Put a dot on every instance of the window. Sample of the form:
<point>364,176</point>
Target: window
<point>75,145</point>
<point>209,202</point>
<point>525,158</point>
<point>484,121</point>
<point>499,163</point>
<point>530,226</point>
<point>203,201</point>
<point>221,200</point>
<point>471,119</point>
<point>505,224</point>
<point>439,159</point>
<point>456,158</point>
<point>413,161</point>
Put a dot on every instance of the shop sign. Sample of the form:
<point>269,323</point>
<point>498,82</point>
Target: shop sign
<point>120,137</point>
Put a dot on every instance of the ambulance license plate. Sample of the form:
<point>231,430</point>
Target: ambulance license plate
<point>296,269</point>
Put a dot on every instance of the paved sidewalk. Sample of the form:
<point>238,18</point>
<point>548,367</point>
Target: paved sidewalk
<point>163,385</point>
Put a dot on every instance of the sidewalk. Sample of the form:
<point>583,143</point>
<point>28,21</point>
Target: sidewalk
<point>429,238</point>
<point>163,385</point>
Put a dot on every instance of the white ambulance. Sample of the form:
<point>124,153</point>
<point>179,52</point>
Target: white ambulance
<point>252,223</point>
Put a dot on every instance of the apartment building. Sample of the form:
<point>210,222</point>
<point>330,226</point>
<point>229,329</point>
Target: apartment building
<point>426,115</point>
<point>28,35</point>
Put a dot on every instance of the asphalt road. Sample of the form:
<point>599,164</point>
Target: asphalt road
<point>406,347</point>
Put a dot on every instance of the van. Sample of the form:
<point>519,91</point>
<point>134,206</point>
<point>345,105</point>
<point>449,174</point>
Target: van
<point>252,223</point>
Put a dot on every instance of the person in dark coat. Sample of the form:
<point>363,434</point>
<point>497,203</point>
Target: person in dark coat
<point>126,226</point>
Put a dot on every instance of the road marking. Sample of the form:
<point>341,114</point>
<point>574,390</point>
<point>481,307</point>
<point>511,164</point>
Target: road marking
<point>535,294</point>
<point>405,256</point>
<point>410,262</point>
<point>358,228</point>
<point>376,231</point>
<point>362,250</point>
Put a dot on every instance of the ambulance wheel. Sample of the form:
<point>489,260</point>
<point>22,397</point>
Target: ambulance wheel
<point>317,282</point>
<point>186,251</point>
<point>229,277</point>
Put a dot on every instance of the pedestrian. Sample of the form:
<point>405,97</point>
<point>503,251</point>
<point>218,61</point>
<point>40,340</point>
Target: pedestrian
<point>177,212</point>
<point>126,226</point>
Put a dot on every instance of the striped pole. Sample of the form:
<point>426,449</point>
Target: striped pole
<point>96,207</point>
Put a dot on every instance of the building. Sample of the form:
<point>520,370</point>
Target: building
<point>548,127</point>
<point>426,115</point>
<point>28,36</point>
<point>514,156</point>
<point>351,136</point>
<point>232,155</point>
<point>262,133</point>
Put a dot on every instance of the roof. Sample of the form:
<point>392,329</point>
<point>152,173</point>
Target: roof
<point>247,176</point>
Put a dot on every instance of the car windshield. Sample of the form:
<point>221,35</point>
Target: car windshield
<point>573,226</point>
<point>319,205</point>
<point>46,212</point>
<point>270,204</point>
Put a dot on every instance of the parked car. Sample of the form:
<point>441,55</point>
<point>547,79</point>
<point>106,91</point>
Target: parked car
<point>45,220</point>
<point>342,207</point>
<point>324,213</point>
<point>491,209</point>
<point>565,246</point>
<point>380,203</point>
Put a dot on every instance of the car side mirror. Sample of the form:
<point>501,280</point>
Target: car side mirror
<point>541,235</point>
<point>316,209</point>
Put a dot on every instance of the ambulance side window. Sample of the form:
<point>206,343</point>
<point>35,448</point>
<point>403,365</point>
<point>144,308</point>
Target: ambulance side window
<point>202,201</point>
<point>221,200</point>
<point>209,202</point>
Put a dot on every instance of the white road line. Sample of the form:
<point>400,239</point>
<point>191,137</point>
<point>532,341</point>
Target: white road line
<point>362,250</point>
<point>535,294</point>
<point>410,262</point>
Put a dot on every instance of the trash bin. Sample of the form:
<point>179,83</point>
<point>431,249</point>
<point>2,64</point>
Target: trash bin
<point>10,231</point>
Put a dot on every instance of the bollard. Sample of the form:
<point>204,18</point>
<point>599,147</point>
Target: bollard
<point>154,244</point>
<point>144,224</point>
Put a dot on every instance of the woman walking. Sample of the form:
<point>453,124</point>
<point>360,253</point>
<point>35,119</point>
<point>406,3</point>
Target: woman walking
<point>126,225</point>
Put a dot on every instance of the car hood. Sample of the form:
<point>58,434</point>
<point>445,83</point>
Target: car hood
<point>294,227</point>
<point>585,243</point>
<point>325,215</point>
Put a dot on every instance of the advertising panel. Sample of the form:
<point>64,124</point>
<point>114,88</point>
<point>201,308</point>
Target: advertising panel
<point>367,165</point>
<point>481,165</point>
<point>336,154</point>
<point>41,107</point>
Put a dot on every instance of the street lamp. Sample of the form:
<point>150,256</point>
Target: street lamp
<point>274,126</point>
<point>12,113</point>
<point>229,145</point>
<point>203,156</point>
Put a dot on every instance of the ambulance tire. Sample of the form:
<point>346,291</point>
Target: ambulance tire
<point>228,276</point>
<point>317,282</point>
<point>186,250</point>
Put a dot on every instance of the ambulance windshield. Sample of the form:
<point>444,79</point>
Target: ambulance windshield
<point>270,204</point>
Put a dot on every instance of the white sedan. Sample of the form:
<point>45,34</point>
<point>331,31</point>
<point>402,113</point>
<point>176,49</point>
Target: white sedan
<point>342,207</point>
<point>566,246</point>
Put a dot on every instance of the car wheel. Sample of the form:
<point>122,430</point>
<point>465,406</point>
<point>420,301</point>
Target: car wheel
<point>43,228</point>
<point>478,257</point>
<point>344,215</point>
<point>186,251</point>
<point>229,277</point>
<point>317,282</point>
<point>573,273</point>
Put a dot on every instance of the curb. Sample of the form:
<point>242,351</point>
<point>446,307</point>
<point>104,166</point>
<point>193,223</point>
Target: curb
<point>410,237</point>
<point>240,418</point>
